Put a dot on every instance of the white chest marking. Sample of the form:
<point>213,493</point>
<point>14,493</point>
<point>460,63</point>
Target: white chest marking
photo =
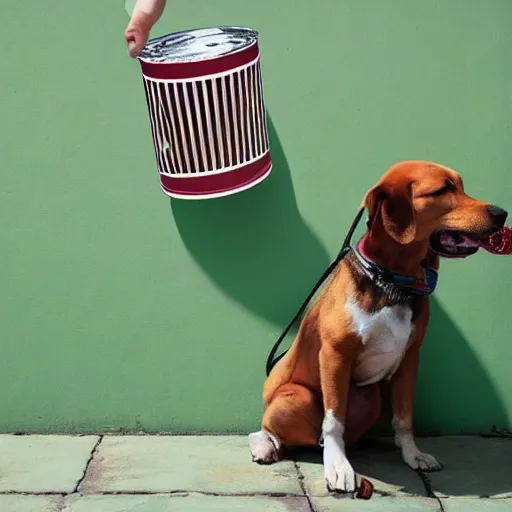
<point>384,335</point>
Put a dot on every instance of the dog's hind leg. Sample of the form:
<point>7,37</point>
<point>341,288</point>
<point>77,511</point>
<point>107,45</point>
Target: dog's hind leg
<point>292,418</point>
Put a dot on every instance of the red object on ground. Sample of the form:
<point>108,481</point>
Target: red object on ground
<point>364,489</point>
<point>499,243</point>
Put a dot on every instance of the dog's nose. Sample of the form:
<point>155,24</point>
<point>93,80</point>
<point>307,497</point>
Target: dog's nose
<point>498,215</point>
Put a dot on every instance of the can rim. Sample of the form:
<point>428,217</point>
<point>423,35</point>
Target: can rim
<point>200,59</point>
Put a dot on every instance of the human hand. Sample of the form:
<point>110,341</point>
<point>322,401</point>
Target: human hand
<point>145,14</point>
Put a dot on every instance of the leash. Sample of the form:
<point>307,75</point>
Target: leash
<point>390,282</point>
<point>364,489</point>
<point>345,248</point>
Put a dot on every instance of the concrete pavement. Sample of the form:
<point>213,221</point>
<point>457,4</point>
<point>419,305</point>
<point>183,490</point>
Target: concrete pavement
<point>189,473</point>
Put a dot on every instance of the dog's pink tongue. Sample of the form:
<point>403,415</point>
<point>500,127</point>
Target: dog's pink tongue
<point>457,240</point>
<point>499,243</point>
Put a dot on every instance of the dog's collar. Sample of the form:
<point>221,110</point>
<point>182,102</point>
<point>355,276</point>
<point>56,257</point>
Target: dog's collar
<point>396,285</point>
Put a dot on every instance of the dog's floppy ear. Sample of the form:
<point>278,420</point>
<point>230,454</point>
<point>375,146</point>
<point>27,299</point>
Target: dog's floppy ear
<point>394,205</point>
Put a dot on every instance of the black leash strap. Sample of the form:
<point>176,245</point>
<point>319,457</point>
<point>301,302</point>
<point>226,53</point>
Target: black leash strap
<point>345,248</point>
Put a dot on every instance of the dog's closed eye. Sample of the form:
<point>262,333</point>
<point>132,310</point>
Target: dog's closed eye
<point>447,187</point>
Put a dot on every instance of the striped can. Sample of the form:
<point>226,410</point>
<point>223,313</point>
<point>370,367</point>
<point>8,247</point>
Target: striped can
<point>205,100</point>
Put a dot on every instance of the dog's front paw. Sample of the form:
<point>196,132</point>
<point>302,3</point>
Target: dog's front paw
<point>339,475</point>
<point>421,461</point>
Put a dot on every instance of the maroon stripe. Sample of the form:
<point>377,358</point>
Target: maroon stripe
<point>185,70</point>
<point>217,183</point>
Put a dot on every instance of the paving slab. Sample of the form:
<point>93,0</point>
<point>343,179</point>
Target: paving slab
<point>376,504</point>
<point>476,505</point>
<point>219,464</point>
<point>191,503</point>
<point>37,464</point>
<point>21,503</point>
<point>474,466</point>
<point>381,463</point>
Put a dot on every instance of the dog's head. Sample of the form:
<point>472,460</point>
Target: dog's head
<point>417,201</point>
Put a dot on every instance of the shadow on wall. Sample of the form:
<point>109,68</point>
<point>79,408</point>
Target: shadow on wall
<point>448,369</point>
<point>259,251</point>
<point>255,246</point>
<point>453,369</point>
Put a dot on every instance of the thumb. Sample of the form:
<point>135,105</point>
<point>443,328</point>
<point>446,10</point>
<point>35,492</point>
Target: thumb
<point>133,49</point>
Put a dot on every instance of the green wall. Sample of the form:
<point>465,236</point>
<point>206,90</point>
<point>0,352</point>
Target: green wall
<point>121,309</point>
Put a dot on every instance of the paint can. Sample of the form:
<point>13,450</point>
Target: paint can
<point>205,100</point>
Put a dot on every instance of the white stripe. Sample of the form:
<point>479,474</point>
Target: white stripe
<point>235,122</point>
<point>200,127</point>
<point>211,142</point>
<point>176,148</point>
<point>165,142</point>
<point>253,126</point>
<point>158,138</point>
<point>182,130</point>
<point>226,118</point>
<point>153,131</point>
<point>200,78</point>
<point>262,111</point>
<point>172,152</point>
<point>248,112</point>
<point>242,120</point>
<point>217,121</point>
<point>191,129</point>
<point>258,107</point>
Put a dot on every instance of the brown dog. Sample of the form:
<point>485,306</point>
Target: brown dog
<point>370,320</point>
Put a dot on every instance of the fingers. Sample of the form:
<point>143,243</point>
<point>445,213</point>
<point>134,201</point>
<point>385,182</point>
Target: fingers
<point>145,14</point>
<point>133,50</point>
<point>136,39</point>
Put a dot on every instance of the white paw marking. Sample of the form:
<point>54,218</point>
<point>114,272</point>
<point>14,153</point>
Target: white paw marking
<point>264,447</point>
<point>419,460</point>
<point>339,474</point>
<point>412,456</point>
